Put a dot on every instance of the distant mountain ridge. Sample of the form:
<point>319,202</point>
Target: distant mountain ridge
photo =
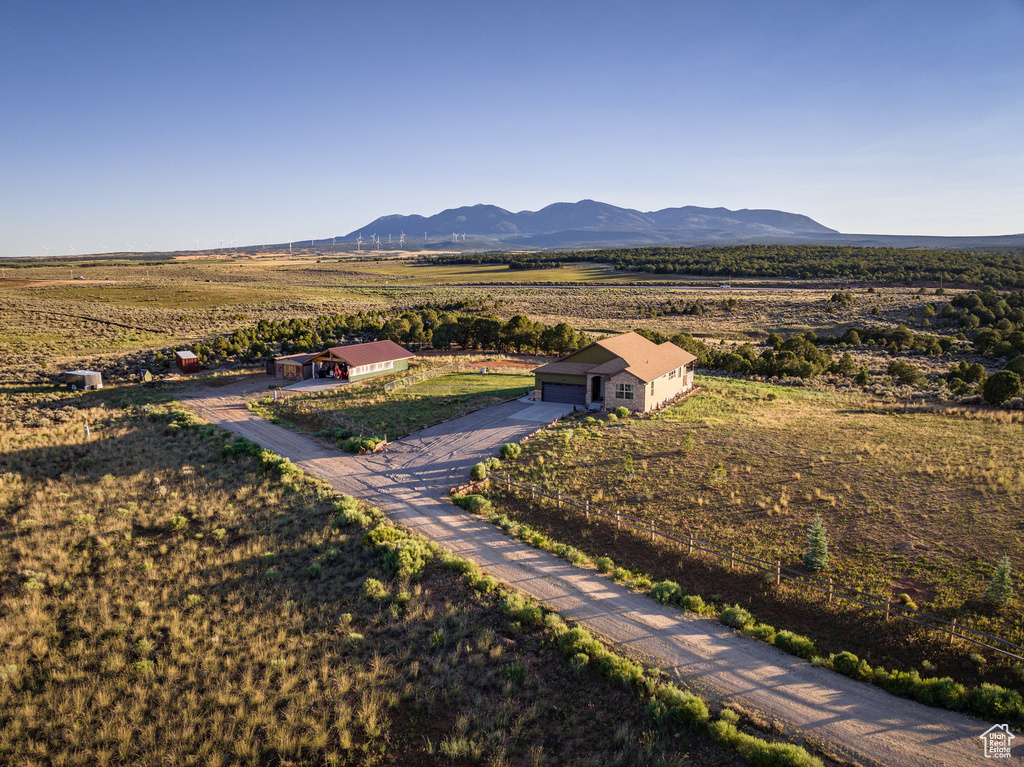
<point>593,223</point>
<point>590,224</point>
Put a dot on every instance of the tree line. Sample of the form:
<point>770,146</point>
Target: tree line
<point>998,268</point>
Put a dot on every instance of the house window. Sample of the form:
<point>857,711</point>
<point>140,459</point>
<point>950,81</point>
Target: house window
<point>673,373</point>
<point>623,391</point>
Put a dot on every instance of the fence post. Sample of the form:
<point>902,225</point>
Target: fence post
<point>618,521</point>
<point>533,490</point>
<point>887,608</point>
<point>778,572</point>
<point>732,557</point>
<point>508,482</point>
<point>559,500</point>
<point>587,509</point>
<point>952,631</point>
<point>652,533</point>
<point>689,549</point>
<point>830,592</point>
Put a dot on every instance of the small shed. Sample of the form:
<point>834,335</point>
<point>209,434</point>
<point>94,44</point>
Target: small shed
<point>298,366</point>
<point>187,362</point>
<point>84,379</point>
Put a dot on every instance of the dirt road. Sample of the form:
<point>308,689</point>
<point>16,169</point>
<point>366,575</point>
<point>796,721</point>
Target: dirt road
<point>410,481</point>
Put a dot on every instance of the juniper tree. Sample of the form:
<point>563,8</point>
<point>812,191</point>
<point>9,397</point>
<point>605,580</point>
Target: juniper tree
<point>1000,590</point>
<point>816,557</point>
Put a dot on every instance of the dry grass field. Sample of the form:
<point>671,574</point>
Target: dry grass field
<point>165,603</point>
<point>915,502</point>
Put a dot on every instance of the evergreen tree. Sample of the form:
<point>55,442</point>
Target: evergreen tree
<point>1000,590</point>
<point>816,557</point>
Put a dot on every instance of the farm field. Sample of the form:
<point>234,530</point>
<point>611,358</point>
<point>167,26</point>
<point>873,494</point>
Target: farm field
<point>367,410</point>
<point>915,502</point>
<point>166,603</point>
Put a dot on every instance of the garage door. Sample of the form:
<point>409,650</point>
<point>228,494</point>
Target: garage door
<point>570,394</point>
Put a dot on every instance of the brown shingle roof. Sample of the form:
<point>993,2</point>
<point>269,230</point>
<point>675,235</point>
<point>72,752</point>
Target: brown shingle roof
<point>358,355</point>
<point>635,354</point>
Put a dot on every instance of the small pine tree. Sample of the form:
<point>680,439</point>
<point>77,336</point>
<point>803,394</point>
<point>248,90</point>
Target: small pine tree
<point>1000,590</point>
<point>816,557</point>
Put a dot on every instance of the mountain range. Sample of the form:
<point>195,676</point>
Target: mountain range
<point>592,224</point>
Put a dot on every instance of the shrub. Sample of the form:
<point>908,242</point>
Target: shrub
<point>590,420</point>
<point>516,606</point>
<point>906,373</point>
<point>605,564</point>
<point>621,412</point>
<point>492,464</point>
<point>475,504</point>
<point>756,750</point>
<point>1001,386</point>
<point>1000,590</point>
<point>736,616</point>
<point>816,557</point>
<point>177,523</point>
<point>848,664</point>
<point>313,571</point>
<point>693,603</point>
<point>795,644</point>
<point>478,472</point>
<point>670,705</point>
<point>994,702</point>
<point>240,446</point>
<point>511,451</point>
<point>621,574</point>
<point>374,589</point>
<point>761,631</point>
<point>667,592</point>
<point>402,554</point>
<point>579,661</point>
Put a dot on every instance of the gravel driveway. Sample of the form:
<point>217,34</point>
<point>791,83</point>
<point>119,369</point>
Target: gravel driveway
<point>410,481</point>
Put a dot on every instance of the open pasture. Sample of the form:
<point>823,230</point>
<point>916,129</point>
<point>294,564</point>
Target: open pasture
<point>915,502</point>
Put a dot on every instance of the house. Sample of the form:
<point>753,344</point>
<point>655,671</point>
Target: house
<point>84,379</point>
<point>351,363</point>
<point>626,370</point>
<point>187,362</point>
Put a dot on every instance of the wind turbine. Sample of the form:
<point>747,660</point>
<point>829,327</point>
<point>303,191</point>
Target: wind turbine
<point>46,250</point>
<point>102,247</point>
<point>359,241</point>
<point>197,243</point>
<point>289,247</point>
<point>222,243</point>
<point>71,250</point>
<point>401,240</point>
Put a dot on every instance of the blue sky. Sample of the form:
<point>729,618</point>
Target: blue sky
<point>156,124</point>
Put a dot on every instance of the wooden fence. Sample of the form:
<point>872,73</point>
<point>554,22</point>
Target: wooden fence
<point>826,586</point>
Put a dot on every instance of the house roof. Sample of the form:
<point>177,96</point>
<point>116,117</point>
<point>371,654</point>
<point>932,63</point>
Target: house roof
<point>358,355</point>
<point>566,368</point>
<point>183,355</point>
<point>634,354</point>
<point>82,373</point>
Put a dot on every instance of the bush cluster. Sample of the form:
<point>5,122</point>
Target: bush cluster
<point>402,554</point>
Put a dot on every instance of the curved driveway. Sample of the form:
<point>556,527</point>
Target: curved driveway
<point>410,481</point>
